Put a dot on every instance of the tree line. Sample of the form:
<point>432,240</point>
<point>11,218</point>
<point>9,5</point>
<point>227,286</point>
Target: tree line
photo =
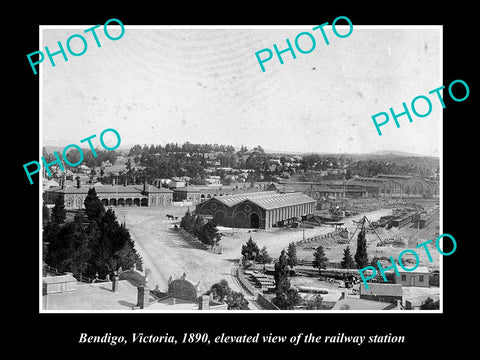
<point>287,297</point>
<point>94,243</point>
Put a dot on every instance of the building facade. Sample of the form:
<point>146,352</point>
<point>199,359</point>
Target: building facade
<point>264,210</point>
<point>418,277</point>
<point>109,195</point>
<point>389,293</point>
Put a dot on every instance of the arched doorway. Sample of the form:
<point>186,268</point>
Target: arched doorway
<point>121,202</point>
<point>128,202</point>
<point>241,220</point>
<point>219,218</point>
<point>144,202</point>
<point>113,202</point>
<point>136,202</point>
<point>104,202</point>
<point>254,221</point>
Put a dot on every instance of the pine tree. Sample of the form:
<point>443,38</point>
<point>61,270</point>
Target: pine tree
<point>250,249</point>
<point>282,283</point>
<point>58,212</point>
<point>292,254</point>
<point>361,257</point>
<point>69,249</point>
<point>347,261</point>
<point>197,225</point>
<point>187,222</point>
<point>209,233</point>
<point>93,206</point>
<point>263,257</point>
<point>319,259</point>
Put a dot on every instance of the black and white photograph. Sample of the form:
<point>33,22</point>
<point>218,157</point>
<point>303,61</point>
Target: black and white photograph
<point>233,188</point>
<point>215,184</point>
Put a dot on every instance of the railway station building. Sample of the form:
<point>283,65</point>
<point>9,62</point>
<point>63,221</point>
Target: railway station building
<point>263,210</point>
<point>110,195</point>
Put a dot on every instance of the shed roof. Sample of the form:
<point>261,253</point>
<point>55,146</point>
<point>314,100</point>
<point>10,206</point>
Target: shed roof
<point>109,189</point>
<point>418,270</point>
<point>381,289</point>
<point>266,199</point>
<point>350,303</point>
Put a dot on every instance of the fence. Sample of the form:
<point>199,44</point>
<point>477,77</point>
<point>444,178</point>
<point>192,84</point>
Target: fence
<point>193,239</point>
<point>316,238</point>
<point>77,276</point>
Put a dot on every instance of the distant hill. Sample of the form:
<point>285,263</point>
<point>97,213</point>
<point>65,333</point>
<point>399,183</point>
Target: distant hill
<point>393,152</point>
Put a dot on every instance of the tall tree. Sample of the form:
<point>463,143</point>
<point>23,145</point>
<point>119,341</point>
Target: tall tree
<point>58,212</point>
<point>319,259</point>
<point>250,249</point>
<point>361,257</point>
<point>187,222</point>
<point>282,283</point>
<point>292,254</point>
<point>93,206</point>
<point>209,233</point>
<point>114,247</point>
<point>197,225</point>
<point>347,260</point>
<point>263,257</point>
<point>69,249</point>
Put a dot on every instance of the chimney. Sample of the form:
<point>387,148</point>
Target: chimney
<point>143,297</point>
<point>115,282</point>
<point>344,295</point>
<point>64,179</point>
<point>79,183</point>
<point>205,302</point>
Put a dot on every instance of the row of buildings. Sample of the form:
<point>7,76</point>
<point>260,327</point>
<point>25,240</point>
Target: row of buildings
<point>261,206</point>
<point>130,291</point>
<point>380,186</point>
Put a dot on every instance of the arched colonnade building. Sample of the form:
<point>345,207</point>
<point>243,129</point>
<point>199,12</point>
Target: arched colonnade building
<point>110,195</point>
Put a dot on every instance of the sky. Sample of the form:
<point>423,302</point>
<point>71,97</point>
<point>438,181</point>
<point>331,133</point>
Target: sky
<point>204,85</point>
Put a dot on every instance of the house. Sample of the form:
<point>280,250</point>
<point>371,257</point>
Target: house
<point>213,180</point>
<point>175,184</point>
<point>418,277</point>
<point>354,303</point>
<point>388,293</point>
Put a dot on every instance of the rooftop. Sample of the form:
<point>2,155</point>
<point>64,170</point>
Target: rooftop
<point>266,199</point>
<point>58,279</point>
<point>299,187</point>
<point>108,189</point>
<point>381,289</point>
<point>351,303</point>
<point>418,270</point>
<point>96,296</point>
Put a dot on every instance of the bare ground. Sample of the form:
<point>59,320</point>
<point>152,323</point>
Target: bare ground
<point>166,252</point>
